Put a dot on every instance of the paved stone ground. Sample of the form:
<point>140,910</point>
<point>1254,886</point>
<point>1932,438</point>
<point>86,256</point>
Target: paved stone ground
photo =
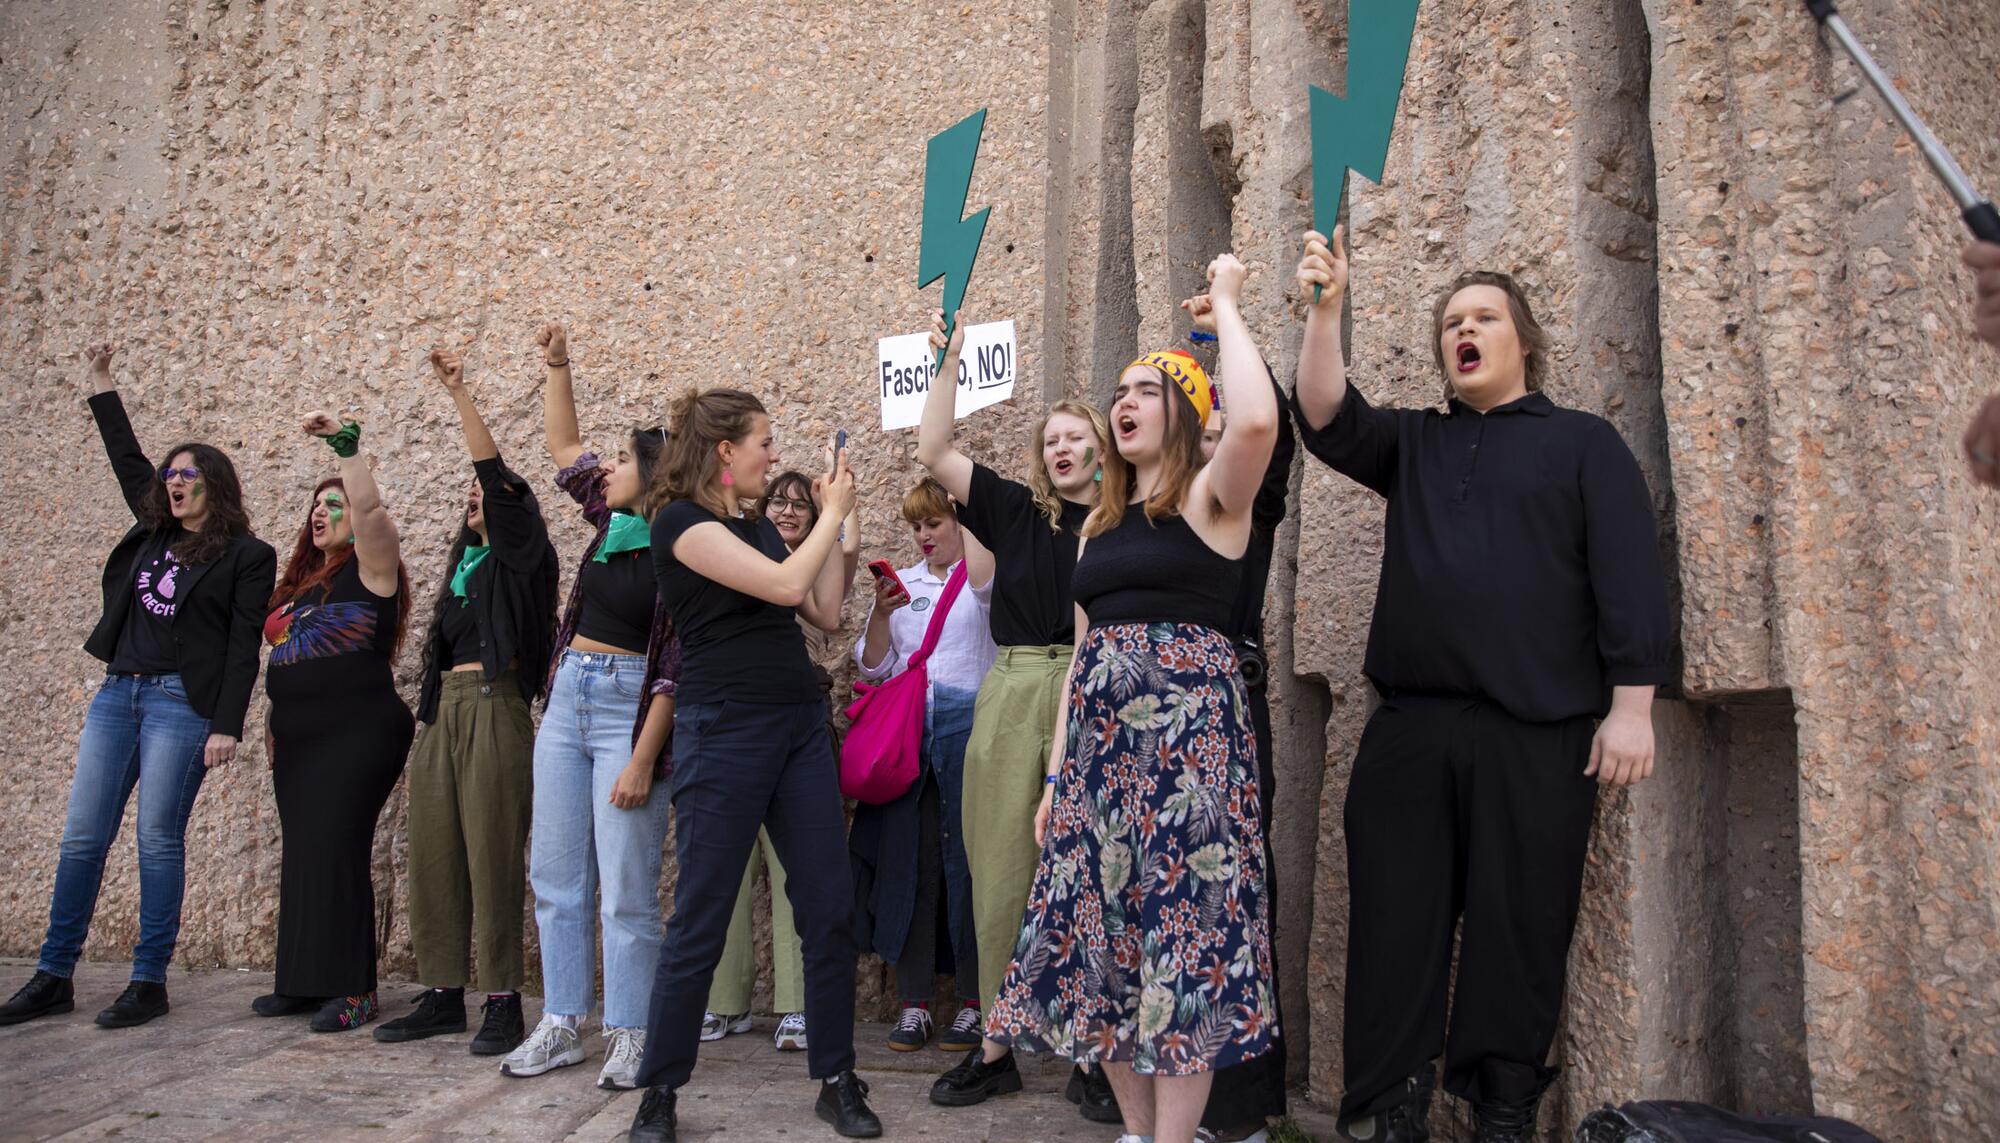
<point>212,1070</point>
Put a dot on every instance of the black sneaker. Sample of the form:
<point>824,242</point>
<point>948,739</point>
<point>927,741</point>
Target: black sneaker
<point>141,1001</point>
<point>1090,1090</point>
<point>913,1031</point>
<point>1407,1121</point>
<point>500,1026</point>
<point>655,1121</point>
<point>843,1102</point>
<point>278,1004</point>
<point>344,1013</point>
<point>972,1080</point>
<point>440,1012</point>
<point>963,1035</point>
<point>45,994</point>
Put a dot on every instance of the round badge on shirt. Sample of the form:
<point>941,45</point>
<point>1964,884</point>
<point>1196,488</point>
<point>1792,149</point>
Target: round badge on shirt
<point>923,604</point>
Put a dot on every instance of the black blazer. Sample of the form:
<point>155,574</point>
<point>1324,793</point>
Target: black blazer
<point>220,620</point>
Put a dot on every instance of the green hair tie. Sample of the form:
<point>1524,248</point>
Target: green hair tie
<point>346,442</point>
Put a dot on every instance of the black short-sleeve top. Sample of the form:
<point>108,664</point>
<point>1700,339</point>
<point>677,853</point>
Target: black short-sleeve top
<point>1032,562</point>
<point>734,647</point>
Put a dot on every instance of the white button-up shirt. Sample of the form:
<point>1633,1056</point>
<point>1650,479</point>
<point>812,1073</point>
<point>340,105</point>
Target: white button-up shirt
<point>964,651</point>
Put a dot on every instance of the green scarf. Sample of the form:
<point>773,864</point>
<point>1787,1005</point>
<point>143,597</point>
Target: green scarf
<point>627,533</point>
<point>470,560</point>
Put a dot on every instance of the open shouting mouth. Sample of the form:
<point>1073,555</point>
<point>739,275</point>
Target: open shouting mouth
<point>1469,357</point>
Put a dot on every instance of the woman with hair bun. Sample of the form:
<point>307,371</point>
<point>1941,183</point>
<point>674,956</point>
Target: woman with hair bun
<point>750,744</point>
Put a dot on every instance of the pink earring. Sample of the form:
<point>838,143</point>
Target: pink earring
<point>728,478</point>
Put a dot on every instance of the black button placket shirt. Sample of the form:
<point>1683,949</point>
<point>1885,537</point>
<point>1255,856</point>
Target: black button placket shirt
<point>1521,562</point>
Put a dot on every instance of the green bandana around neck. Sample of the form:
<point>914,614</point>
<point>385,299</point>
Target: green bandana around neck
<point>474,553</point>
<point>628,533</point>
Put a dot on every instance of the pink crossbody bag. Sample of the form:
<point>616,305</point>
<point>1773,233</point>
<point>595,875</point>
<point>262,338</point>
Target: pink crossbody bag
<point>885,737</point>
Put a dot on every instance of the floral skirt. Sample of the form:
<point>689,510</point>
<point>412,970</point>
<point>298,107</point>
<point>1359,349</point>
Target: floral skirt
<point>1146,938</point>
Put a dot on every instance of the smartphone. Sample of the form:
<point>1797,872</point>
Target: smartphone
<point>880,569</point>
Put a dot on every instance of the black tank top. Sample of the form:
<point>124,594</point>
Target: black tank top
<point>1142,572</point>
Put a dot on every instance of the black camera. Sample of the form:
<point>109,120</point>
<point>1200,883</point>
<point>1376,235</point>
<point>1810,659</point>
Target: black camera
<point>1250,661</point>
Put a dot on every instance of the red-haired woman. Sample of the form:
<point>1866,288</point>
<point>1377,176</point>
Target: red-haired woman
<point>339,735</point>
<point>183,591</point>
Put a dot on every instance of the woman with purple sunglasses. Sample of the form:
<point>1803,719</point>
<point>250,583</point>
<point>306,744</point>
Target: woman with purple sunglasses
<point>184,593</point>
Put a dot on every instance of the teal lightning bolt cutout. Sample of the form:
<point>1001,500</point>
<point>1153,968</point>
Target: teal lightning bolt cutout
<point>951,240</point>
<point>1353,133</point>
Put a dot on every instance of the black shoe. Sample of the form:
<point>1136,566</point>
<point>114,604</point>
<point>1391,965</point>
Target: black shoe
<point>440,1012</point>
<point>1091,1091</point>
<point>1406,1121</point>
<point>843,1102</point>
<point>45,994</point>
<point>655,1121</point>
<point>344,1013</point>
<point>963,1035</point>
<point>278,1004</point>
<point>500,1026</point>
<point>972,1080</point>
<point>141,1001</point>
<point>1509,1094</point>
<point>913,1030</point>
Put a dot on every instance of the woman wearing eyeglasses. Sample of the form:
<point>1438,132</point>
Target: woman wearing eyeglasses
<point>787,502</point>
<point>184,594</point>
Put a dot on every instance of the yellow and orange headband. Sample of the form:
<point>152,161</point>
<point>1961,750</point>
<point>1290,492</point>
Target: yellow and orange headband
<point>1186,372</point>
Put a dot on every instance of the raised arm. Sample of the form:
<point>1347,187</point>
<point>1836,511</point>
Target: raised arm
<point>714,552</point>
<point>136,478</point>
<point>850,551</point>
<point>450,370</point>
<point>377,548</point>
<point>1250,429</point>
<point>1322,371</point>
<point>827,596</point>
<point>559,431</point>
<point>935,450</point>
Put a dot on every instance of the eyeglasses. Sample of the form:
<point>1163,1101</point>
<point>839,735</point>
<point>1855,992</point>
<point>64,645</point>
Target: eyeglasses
<point>188,474</point>
<point>788,504</point>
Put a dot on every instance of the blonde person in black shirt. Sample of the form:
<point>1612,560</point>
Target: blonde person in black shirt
<point>1521,600</point>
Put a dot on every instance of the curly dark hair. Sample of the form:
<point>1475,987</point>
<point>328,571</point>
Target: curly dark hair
<point>227,518</point>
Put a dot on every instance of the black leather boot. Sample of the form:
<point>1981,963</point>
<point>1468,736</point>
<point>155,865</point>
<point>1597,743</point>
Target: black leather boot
<point>1507,1098</point>
<point>843,1102</point>
<point>1090,1090</point>
<point>655,1122</point>
<point>971,1080</point>
<point>141,1001</point>
<point>45,994</point>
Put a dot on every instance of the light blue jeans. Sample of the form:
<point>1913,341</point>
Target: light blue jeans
<point>583,846</point>
<point>140,732</point>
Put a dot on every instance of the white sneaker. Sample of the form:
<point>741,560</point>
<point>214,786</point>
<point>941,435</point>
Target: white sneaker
<point>715,1027</point>
<point>553,1044</point>
<point>791,1033</point>
<point>621,1059</point>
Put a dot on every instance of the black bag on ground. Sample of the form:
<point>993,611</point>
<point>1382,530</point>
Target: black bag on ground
<point>1674,1121</point>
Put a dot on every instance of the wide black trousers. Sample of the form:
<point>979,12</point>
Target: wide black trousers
<point>1456,809</point>
<point>1253,1091</point>
<point>738,766</point>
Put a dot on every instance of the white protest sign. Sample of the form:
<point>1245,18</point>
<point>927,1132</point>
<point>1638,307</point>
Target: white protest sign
<point>985,372</point>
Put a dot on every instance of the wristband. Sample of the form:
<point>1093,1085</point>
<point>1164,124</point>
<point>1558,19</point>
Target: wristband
<point>563,364</point>
<point>1201,337</point>
<point>1051,779</point>
<point>346,442</point>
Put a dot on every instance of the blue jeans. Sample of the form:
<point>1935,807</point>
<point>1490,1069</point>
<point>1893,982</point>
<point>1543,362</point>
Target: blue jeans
<point>581,846</point>
<point>140,732</point>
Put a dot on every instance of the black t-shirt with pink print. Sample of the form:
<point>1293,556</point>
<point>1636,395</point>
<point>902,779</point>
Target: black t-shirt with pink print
<point>146,643</point>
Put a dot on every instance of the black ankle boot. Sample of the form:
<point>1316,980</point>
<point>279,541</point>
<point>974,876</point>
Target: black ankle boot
<point>1508,1096</point>
<point>971,1080</point>
<point>278,1004</point>
<point>1090,1090</point>
<point>45,994</point>
<point>501,1028</point>
<point>141,1001</point>
<point>1403,1120</point>
<point>655,1122</point>
<point>843,1102</point>
<point>439,1012</point>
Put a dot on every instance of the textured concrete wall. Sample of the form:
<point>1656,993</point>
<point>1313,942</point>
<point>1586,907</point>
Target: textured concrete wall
<point>274,206</point>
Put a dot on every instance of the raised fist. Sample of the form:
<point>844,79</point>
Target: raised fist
<point>321,425</point>
<point>1225,277</point>
<point>554,341</point>
<point>449,367</point>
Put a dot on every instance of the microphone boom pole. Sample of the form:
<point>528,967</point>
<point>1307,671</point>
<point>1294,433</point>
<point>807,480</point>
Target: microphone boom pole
<point>1979,213</point>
